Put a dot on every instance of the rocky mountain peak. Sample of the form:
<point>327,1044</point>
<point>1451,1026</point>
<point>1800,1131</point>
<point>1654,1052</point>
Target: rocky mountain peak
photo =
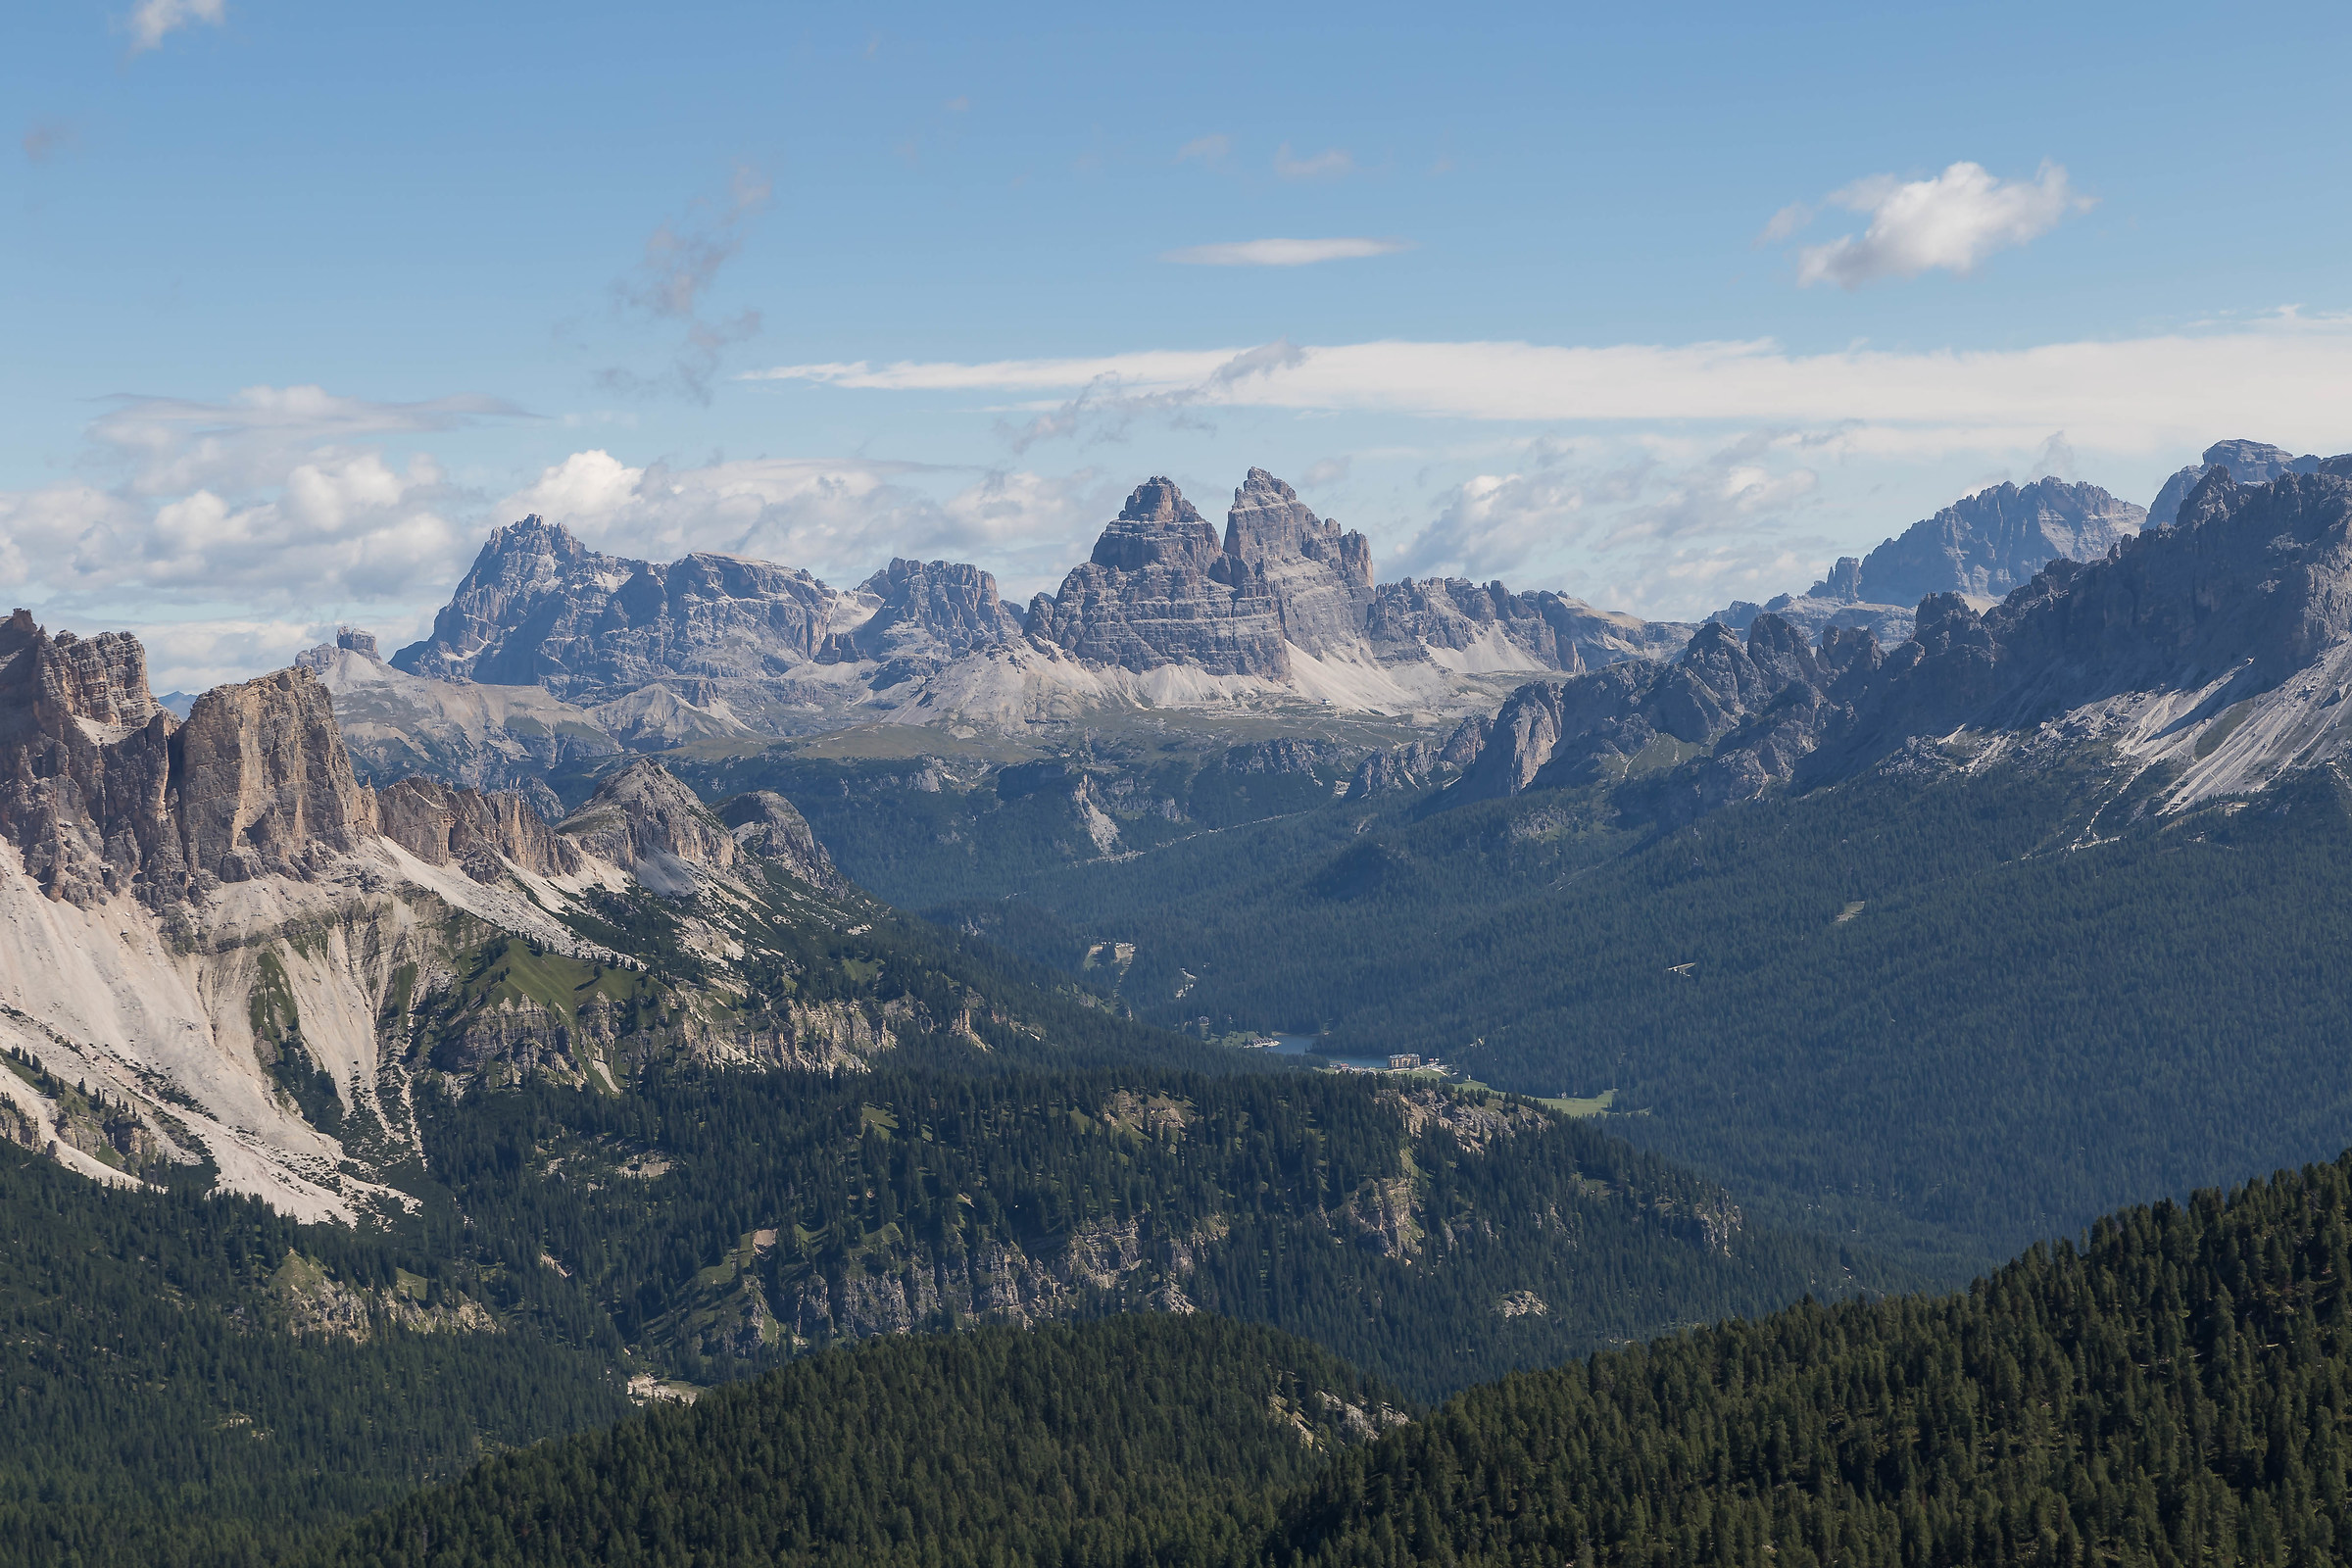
<point>101,681</point>
<point>934,610</point>
<point>1986,544</point>
<point>646,820</point>
<point>1157,527</point>
<point>261,782</point>
<point>766,824</point>
<point>2245,462</point>
<point>1270,524</point>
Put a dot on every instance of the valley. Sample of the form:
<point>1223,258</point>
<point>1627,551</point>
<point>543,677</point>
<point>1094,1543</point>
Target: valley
<point>609,1064</point>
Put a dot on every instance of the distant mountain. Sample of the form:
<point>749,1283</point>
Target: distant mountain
<point>1280,610</point>
<point>2246,461</point>
<point>168,880</point>
<point>1980,547</point>
<point>2212,647</point>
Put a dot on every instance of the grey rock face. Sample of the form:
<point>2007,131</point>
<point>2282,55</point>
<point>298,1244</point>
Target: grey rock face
<point>445,826</point>
<point>933,611</point>
<point>1816,612</point>
<point>1320,577</point>
<point>85,762</point>
<point>647,822</point>
<point>2253,579</point>
<point>768,825</point>
<point>1553,629</point>
<point>261,783</point>
<point>102,793</point>
<point>541,608</point>
<point>2247,463</point>
<point>1161,590</point>
<point>1988,544</point>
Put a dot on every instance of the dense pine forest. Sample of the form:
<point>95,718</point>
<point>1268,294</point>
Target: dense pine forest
<point>180,1386</point>
<point>1938,1010</point>
<point>199,1380</point>
<point>2176,1389</point>
<point>1121,1441</point>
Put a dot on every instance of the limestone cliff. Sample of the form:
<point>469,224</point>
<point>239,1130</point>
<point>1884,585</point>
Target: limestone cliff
<point>1159,589</point>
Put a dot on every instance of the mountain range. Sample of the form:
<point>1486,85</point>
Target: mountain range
<point>537,1016</point>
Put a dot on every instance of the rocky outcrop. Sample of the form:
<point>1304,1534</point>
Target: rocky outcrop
<point>480,737</point>
<point>1159,589</point>
<point>541,608</point>
<point>768,825</point>
<point>442,825</point>
<point>261,783</point>
<point>645,820</point>
<point>1320,577</point>
<point>1986,544</point>
<point>1417,763</point>
<point>2246,600</point>
<point>2245,462</point>
<point>933,611</point>
<point>85,762</point>
<point>1484,627</point>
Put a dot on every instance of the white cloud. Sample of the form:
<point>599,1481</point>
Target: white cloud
<point>841,519</point>
<point>2129,395</point>
<point>152,21</point>
<point>682,258</point>
<point>1785,222</point>
<point>1210,149</point>
<point>1648,530</point>
<point>1329,164</point>
<point>1952,221</point>
<point>1283,251</point>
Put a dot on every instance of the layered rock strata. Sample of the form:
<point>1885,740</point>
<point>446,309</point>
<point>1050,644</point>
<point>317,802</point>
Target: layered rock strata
<point>2243,608</point>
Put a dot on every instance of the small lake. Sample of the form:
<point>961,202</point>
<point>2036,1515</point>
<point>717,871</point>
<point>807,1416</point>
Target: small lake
<point>1313,1045</point>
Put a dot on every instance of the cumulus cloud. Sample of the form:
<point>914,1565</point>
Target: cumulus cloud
<point>1643,529</point>
<point>268,510</point>
<point>1952,221</point>
<point>1210,149</point>
<point>1329,164</point>
<point>841,519</point>
<point>2134,395</point>
<point>154,21</point>
<point>682,258</point>
<point>1283,251</point>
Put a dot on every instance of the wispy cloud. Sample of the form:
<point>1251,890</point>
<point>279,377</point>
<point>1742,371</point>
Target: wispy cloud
<point>1107,406</point>
<point>47,139</point>
<point>153,20</point>
<point>1210,149</point>
<point>1951,223</point>
<point>1283,251</point>
<point>682,257</point>
<point>1329,164</point>
<point>2125,395</point>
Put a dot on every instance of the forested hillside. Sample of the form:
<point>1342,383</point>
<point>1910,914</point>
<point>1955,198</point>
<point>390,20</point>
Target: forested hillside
<point>2178,1389</point>
<point>721,1223</point>
<point>198,1379</point>
<point>195,1380</point>
<point>1943,1010</point>
<point>1114,1443</point>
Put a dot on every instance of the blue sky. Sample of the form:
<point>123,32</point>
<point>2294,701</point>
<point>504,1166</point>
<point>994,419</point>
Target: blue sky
<point>302,299</point>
